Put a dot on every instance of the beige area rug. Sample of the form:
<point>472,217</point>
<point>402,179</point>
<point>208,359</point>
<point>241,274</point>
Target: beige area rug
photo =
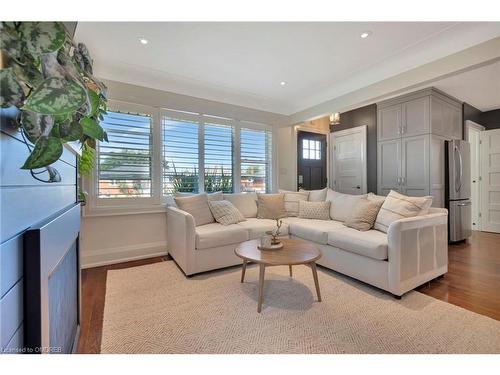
<point>156,309</point>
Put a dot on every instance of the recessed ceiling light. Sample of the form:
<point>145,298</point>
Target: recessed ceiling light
<point>282,83</point>
<point>365,34</point>
<point>143,41</point>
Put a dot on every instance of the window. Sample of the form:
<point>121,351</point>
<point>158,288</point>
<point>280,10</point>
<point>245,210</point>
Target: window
<point>124,163</point>
<point>218,166</point>
<point>255,160</point>
<point>180,156</point>
<point>311,149</point>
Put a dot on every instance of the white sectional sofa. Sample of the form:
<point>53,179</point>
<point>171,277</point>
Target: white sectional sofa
<point>414,250</point>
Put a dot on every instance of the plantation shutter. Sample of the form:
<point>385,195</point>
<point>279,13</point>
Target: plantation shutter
<point>218,155</point>
<point>255,146</point>
<point>124,163</point>
<point>180,153</point>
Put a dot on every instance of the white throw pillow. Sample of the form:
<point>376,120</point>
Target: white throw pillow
<point>314,210</point>
<point>398,206</point>
<point>197,206</point>
<point>342,205</point>
<point>225,213</point>
<point>292,199</point>
<point>316,195</point>
<point>246,203</point>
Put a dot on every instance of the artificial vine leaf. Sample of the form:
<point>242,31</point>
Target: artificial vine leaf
<point>51,67</point>
<point>43,37</point>
<point>92,128</point>
<point>9,42</point>
<point>94,102</point>
<point>36,125</point>
<point>47,151</point>
<point>68,131</point>
<point>28,73</point>
<point>11,92</point>
<point>85,57</point>
<point>56,96</point>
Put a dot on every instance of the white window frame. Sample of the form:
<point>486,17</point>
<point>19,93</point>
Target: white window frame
<point>96,206</point>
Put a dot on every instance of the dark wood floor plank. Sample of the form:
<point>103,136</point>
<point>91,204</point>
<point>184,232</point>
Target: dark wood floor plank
<point>472,282</point>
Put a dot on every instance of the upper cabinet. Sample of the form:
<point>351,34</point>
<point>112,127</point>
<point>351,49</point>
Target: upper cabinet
<point>389,123</point>
<point>415,117</point>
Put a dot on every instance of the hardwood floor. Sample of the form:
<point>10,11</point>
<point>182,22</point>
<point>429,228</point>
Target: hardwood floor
<point>472,282</point>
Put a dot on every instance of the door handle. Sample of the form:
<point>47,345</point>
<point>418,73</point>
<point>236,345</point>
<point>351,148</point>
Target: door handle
<point>356,187</point>
<point>464,204</point>
<point>460,163</point>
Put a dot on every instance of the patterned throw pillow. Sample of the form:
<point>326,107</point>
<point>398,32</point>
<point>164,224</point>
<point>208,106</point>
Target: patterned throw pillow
<point>398,206</point>
<point>270,206</point>
<point>225,212</point>
<point>292,199</point>
<point>314,210</point>
<point>364,214</point>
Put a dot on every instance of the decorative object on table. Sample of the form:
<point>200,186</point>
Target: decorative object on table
<point>270,241</point>
<point>49,79</point>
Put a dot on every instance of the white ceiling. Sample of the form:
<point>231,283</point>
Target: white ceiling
<point>244,63</point>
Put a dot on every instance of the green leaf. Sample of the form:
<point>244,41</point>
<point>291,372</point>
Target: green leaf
<point>11,92</point>
<point>43,37</point>
<point>47,151</point>
<point>94,102</point>
<point>92,128</point>
<point>28,73</point>
<point>36,125</point>
<point>10,42</point>
<point>68,131</point>
<point>56,96</point>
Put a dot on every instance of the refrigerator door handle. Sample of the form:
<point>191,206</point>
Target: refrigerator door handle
<point>464,204</point>
<point>458,184</point>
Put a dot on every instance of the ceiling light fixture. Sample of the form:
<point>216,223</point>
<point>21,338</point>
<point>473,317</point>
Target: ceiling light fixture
<point>365,34</point>
<point>143,40</point>
<point>282,83</point>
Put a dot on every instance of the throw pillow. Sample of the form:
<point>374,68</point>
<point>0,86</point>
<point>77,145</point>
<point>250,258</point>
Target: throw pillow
<point>342,204</point>
<point>316,195</point>
<point>225,213</point>
<point>376,198</point>
<point>314,210</point>
<point>364,214</point>
<point>398,206</point>
<point>246,203</point>
<point>270,206</point>
<point>196,205</point>
<point>292,199</point>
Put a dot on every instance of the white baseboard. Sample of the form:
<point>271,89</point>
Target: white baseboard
<point>102,257</point>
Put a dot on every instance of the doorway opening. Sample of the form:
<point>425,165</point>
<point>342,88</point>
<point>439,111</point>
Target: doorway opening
<point>311,160</point>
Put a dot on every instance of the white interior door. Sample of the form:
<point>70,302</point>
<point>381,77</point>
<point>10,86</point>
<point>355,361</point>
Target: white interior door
<point>349,160</point>
<point>473,136</point>
<point>490,180</point>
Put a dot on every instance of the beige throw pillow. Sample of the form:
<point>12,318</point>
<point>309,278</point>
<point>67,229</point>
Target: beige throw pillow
<point>342,204</point>
<point>196,205</point>
<point>270,206</point>
<point>225,213</point>
<point>316,195</point>
<point>292,199</point>
<point>364,214</point>
<point>314,210</point>
<point>246,203</point>
<point>398,206</point>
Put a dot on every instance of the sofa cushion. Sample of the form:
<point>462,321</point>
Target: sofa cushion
<point>316,195</point>
<point>341,204</point>
<point>215,235</point>
<point>292,199</point>
<point>258,227</point>
<point>246,203</point>
<point>196,205</point>
<point>372,243</point>
<point>310,229</point>
<point>398,206</point>
<point>271,206</point>
<point>314,210</point>
<point>363,214</point>
<point>225,212</point>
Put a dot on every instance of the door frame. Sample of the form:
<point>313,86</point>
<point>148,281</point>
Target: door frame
<point>357,129</point>
<point>471,125</point>
<point>309,129</point>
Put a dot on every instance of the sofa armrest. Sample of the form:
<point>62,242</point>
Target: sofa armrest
<point>181,236</point>
<point>417,251</point>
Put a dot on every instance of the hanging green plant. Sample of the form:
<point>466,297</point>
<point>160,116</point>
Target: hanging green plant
<point>49,79</point>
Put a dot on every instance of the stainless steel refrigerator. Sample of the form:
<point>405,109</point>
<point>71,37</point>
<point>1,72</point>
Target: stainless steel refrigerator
<point>458,189</point>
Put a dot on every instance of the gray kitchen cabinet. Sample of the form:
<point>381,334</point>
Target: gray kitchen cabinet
<point>411,157</point>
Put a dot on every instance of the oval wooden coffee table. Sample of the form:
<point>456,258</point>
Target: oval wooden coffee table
<point>294,252</point>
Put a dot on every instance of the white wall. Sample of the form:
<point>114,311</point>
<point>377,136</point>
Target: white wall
<point>123,237</point>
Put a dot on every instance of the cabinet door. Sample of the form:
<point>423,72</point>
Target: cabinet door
<point>446,119</point>
<point>389,123</point>
<point>389,166</point>
<point>415,165</point>
<point>416,117</point>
